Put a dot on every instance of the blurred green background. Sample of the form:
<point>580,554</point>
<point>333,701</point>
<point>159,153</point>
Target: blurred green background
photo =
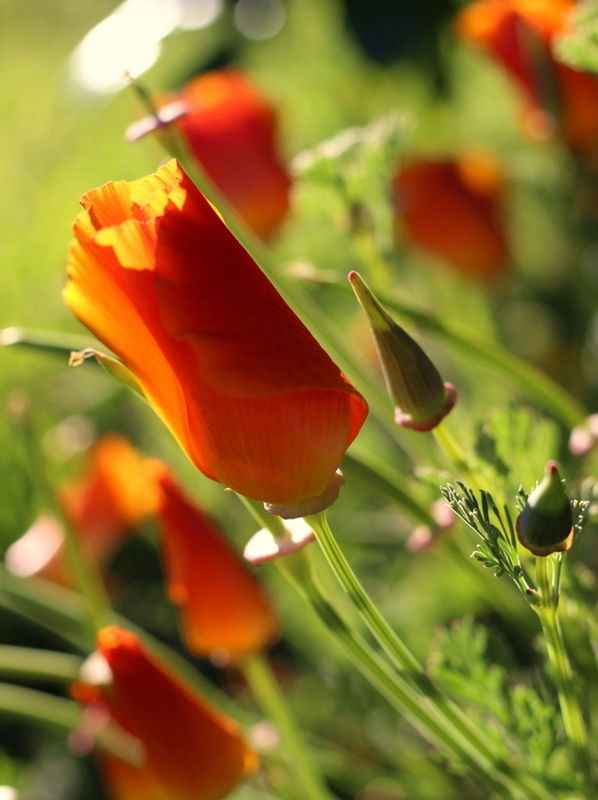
<point>330,66</point>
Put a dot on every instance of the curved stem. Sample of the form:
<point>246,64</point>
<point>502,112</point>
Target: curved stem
<point>447,442</point>
<point>37,706</point>
<point>573,720</point>
<point>310,784</point>
<point>407,664</point>
<point>32,663</point>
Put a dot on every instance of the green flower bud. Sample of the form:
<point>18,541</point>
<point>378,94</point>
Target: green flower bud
<point>545,524</point>
<point>421,397</point>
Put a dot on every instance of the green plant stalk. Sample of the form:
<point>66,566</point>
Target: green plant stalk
<point>309,783</point>
<point>62,344</point>
<point>573,721</point>
<point>37,706</point>
<point>62,611</point>
<point>35,664</point>
<point>399,691</point>
<point>449,445</point>
<point>394,647</point>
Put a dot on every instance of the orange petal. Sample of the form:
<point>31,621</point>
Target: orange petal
<point>192,751</point>
<point>224,610</point>
<point>450,209</point>
<point>235,375</point>
<point>231,130</point>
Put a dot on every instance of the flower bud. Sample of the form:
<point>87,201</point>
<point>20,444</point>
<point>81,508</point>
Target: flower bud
<point>422,399</point>
<point>545,524</point>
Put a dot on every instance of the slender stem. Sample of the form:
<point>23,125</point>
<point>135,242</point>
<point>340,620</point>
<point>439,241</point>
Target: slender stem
<point>270,521</point>
<point>447,442</point>
<point>398,653</point>
<point>37,706</point>
<point>62,611</point>
<point>61,344</point>
<point>310,784</point>
<point>32,663</point>
<point>573,720</point>
<point>399,692</point>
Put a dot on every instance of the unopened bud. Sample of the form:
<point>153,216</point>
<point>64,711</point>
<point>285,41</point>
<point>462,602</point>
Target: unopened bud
<point>421,397</point>
<point>545,525</point>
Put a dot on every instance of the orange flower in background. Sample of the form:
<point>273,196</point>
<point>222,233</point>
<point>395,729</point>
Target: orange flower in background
<point>116,490</point>
<point>451,209</point>
<point>242,384</point>
<point>231,130</point>
<point>190,751</point>
<point>519,35</point>
<point>224,610</point>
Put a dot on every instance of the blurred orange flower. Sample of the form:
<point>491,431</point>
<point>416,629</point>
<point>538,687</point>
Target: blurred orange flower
<point>519,35</point>
<point>190,751</point>
<point>231,130</point>
<point>225,612</point>
<point>114,493</point>
<point>451,209</point>
<point>242,384</point>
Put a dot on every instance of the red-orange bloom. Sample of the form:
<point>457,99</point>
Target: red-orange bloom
<point>190,751</point>
<point>519,35</point>
<point>231,129</point>
<point>224,610</point>
<point>116,491</point>
<point>247,391</point>
<point>451,208</point>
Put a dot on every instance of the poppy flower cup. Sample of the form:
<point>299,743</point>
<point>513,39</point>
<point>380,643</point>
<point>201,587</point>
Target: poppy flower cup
<point>244,387</point>
<point>230,129</point>
<point>450,208</point>
<point>187,749</point>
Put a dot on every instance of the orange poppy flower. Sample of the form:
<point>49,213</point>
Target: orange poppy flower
<point>230,129</point>
<point>519,34</point>
<point>450,208</point>
<point>242,384</point>
<point>189,750</point>
<point>115,492</point>
<point>224,610</point>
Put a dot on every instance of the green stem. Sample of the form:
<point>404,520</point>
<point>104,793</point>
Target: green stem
<point>62,611</point>
<point>37,706</point>
<point>309,783</point>
<point>31,663</point>
<point>573,721</point>
<point>62,344</point>
<point>447,442</point>
<point>408,666</point>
